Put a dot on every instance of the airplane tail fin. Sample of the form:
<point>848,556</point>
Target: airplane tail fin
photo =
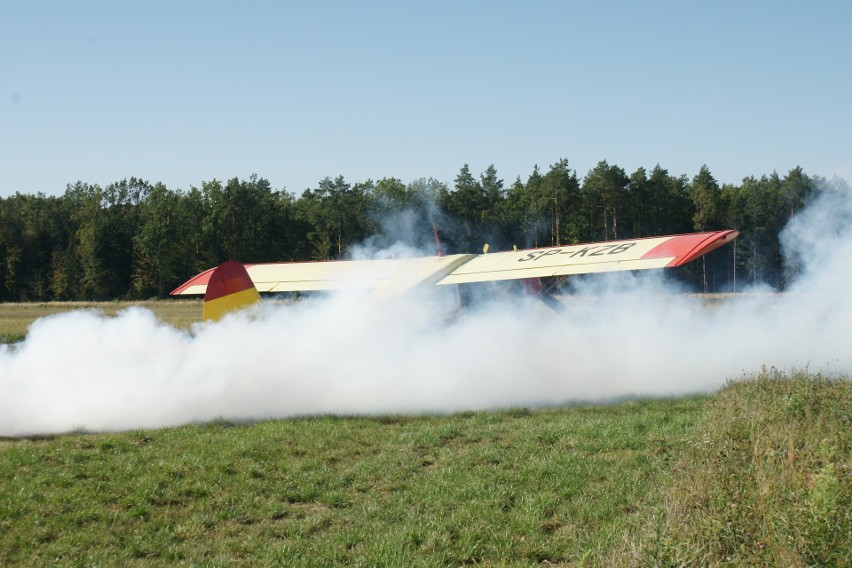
<point>229,289</point>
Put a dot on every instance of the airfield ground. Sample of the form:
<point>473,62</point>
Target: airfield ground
<point>760,473</point>
<point>16,317</point>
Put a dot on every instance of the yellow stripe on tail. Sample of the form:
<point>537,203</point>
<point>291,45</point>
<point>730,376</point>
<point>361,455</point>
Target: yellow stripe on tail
<point>229,289</point>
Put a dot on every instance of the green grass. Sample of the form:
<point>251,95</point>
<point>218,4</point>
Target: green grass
<point>513,487</point>
<point>766,480</point>
<point>758,474</point>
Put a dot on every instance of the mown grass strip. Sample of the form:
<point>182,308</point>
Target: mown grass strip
<point>513,487</point>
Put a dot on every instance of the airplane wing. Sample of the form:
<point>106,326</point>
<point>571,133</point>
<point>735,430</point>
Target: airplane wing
<point>397,275</point>
<point>633,254</point>
<point>385,274</point>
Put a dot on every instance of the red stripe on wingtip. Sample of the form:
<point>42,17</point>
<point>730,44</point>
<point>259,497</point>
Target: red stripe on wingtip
<point>686,248</point>
<point>228,278</point>
<point>200,279</point>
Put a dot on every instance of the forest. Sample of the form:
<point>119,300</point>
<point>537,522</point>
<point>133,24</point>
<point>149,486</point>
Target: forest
<point>133,239</point>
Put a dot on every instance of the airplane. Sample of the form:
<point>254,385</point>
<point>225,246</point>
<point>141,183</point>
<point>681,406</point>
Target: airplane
<point>232,285</point>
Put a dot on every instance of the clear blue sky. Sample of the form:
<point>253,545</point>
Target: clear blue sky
<point>294,91</point>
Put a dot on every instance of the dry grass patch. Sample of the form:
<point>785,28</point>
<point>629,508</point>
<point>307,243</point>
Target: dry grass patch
<point>16,317</point>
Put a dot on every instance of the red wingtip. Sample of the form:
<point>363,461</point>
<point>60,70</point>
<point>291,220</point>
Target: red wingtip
<point>200,279</point>
<point>686,248</point>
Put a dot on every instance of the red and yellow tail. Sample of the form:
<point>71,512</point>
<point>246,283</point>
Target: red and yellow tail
<point>229,288</point>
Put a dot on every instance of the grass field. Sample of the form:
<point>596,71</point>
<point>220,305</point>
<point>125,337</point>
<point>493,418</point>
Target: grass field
<point>16,317</point>
<point>760,473</point>
<point>514,487</point>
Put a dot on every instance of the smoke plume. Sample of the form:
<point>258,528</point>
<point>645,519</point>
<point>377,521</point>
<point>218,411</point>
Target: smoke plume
<point>621,335</point>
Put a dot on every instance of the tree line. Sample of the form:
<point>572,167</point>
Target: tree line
<point>134,239</point>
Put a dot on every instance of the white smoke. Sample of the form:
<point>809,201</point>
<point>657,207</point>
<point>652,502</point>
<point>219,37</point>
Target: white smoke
<point>621,335</point>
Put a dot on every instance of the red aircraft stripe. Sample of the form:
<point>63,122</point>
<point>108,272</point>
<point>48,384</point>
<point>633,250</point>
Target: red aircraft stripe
<point>228,278</point>
<point>198,280</point>
<point>686,248</point>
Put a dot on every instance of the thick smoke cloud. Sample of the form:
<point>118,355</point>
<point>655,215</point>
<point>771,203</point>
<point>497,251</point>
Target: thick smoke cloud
<point>620,335</point>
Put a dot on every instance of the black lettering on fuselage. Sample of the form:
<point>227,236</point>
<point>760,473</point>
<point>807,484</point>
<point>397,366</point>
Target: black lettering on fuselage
<point>539,254</point>
<point>581,252</point>
<point>602,250</point>
<point>621,248</point>
<point>591,250</point>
